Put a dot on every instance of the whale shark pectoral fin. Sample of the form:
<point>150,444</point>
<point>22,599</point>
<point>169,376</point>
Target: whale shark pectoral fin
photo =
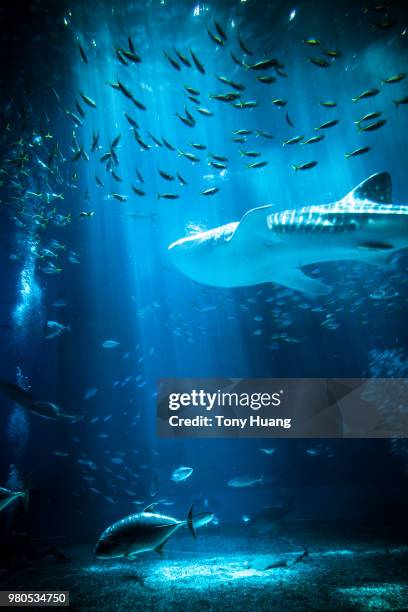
<point>376,254</point>
<point>376,188</point>
<point>296,279</point>
<point>255,223</point>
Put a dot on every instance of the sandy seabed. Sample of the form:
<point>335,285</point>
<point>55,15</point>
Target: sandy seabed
<point>227,570</point>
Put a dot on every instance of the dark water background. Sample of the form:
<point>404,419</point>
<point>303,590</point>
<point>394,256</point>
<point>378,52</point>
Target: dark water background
<point>125,287</point>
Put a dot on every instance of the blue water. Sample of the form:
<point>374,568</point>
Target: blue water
<point>124,287</point>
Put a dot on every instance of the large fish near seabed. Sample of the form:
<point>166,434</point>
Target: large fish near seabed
<point>269,246</point>
<point>142,532</point>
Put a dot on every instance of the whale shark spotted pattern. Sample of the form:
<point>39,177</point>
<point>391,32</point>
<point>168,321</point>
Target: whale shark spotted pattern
<point>269,246</point>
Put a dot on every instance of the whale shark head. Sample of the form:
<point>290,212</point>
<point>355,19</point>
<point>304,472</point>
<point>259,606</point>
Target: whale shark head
<point>193,253</point>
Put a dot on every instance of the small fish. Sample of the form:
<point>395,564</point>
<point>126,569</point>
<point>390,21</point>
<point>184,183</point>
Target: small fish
<point>192,91</point>
<point>293,140</point>
<point>289,120</point>
<point>403,100</point>
<point>265,64</point>
<point>235,59</point>
<point>182,473</point>
<point>328,103</point>
<point>138,192</point>
<point>268,451</point>
<point>220,30</point>
<point>181,179</point>
<point>203,519</point>
<point>166,176</point>
<point>263,134</point>
<point>172,62</point>
<point>249,153</point>
<point>244,481</point>
<point>356,152</point>
<point>305,166</point>
<point>266,79</point>
<point>131,45</point>
<point>82,54</point>
<point>210,191</point>
<point>131,121</point>
<point>318,61</point>
<point>84,214</point>
<point>197,63</point>
<point>369,93</point>
<point>395,78</point>
<point>314,139</point>
<point>59,303</point>
<point>87,100</point>
<point>233,84</point>
<point>217,39</point>
<point>313,42</point>
<point>279,102</point>
<point>242,132</point>
<point>247,104</point>
<point>120,57</point>
<point>182,58</point>
<point>110,344</point>
<point>369,117</point>
<point>327,124</point>
<point>332,52</point>
<point>90,393</point>
<point>205,112</point>
<point>371,127</point>
<point>227,97</point>
<point>190,156</point>
<point>168,145</point>
<point>218,166</point>
<point>168,196</point>
<point>132,57</point>
<point>258,164</point>
<point>243,46</point>
<point>119,197</point>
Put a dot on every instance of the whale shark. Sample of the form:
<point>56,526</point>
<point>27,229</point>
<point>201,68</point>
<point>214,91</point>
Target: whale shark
<point>274,246</point>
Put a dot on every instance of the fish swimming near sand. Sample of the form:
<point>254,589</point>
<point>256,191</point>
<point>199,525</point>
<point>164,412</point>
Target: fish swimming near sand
<point>139,533</point>
<point>270,246</point>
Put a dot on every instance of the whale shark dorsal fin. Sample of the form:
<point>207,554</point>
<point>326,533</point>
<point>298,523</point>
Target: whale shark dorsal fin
<point>376,188</point>
<point>151,507</point>
<point>255,222</point>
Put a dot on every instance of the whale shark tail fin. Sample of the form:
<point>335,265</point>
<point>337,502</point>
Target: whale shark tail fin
<point>376,188</point>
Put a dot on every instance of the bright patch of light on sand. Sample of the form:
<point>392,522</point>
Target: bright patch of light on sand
<point>215,571</point>
<point>104,567</point>
<point>292,15</point>
<point>375,596</point>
